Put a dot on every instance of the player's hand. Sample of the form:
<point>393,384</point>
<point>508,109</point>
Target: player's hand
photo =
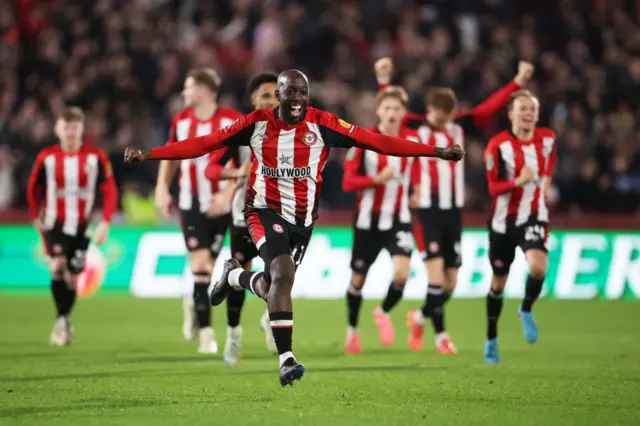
<point>525,72</point>
<point>37,223</point>
<point>163,202</point>
<point>217,205</point>
<point>526,176</point>
<point>102,231</point>
<point>384,176</point>
<point>414,200</point>
<point>134,155</point>
<point>383,68</point>
<point>451,153</point>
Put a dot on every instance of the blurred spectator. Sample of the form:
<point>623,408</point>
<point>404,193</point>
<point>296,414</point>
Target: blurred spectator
<point>124,61</point>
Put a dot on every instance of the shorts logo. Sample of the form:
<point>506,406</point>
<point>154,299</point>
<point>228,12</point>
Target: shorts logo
<point>278,228</point>
<point>457,248</point>
<point>359,263</point>
<point>309,138</point>
<point>239,256</point>
<point>57,249</point>
<point>344,124</point>
<point>498,263</point>
<point>434,247</point>
<point>192,242</point>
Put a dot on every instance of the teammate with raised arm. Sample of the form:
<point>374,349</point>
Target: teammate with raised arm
<point>291,144</point>
<point>203,233</point>
<point>62,190</point>
<point>382,218</point>
<point>438,192</point>
<point>519,165</point>
<point>262,92</point>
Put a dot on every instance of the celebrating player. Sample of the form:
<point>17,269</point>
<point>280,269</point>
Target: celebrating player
<point>203,235</point>
<point>438,195</point>
<point>291,144</point>
<point>68,176</point>
<point>519,167</point>
<point>382,217</point>
<point>262,90</point>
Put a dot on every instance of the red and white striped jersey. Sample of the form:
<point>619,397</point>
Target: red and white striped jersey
<point>286,174</point>
<point>381,206</point>
<point>193,183</point>
<point>505,157</point>
<point>440,182</point>
<point>69,182</point>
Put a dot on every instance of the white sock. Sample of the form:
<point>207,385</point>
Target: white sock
<point>418,317</point>
<point>234,277</point>
<point>441,336</point>
<point>285,356</point>
<point>351,329</point>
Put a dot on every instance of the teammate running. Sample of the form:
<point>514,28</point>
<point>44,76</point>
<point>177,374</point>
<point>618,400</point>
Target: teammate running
<point>519,165</point>
<point>262,91</point>
<point>291,144</point>
<point>438,196</point>
<point>382,218</point>
<point>203,235</point>
<point>68,177</point>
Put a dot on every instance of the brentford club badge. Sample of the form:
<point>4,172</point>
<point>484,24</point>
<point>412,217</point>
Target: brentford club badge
<point>309,138</point>
<point>433,247</point>
<point>279,229</point>
<point>192,242</point>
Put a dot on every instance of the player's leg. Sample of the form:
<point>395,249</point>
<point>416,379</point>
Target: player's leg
<point>63,298</point>
<point>501,255</point>
<point>363,253</point>
<point>534,247</point>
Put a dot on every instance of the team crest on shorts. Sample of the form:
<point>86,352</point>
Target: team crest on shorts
<point>498,263</point>
<point>433,247</point>
<point>192,242</point>
<point>57,249</point>
<point>309,138</point>
<point>278,228</point>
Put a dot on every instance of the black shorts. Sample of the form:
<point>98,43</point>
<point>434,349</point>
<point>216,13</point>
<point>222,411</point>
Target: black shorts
<point>72,247</point>
<point>202,232</point>
<point>242,247</point>
<point>367,244</point>
<point>273,236</point>
<point>502,247</point>
<point>438,234</point>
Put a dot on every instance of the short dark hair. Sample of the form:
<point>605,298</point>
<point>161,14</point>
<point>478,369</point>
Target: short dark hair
<point>260,79</point>
<point>395,92</point>
<point>70,114</point>
<point>442,98</point>
<point>523,93</point>
<point>207,77</point>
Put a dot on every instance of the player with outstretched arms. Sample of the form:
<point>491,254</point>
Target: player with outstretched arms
<point>203,233</point>
<point>291,145</point>
<point>262,92</point>
<point>438,193</point>
<point>382,219</point>
<point>519,164</point>
<point>61,193</point>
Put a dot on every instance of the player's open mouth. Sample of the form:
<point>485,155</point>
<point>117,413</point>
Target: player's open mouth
<point>296,110</point>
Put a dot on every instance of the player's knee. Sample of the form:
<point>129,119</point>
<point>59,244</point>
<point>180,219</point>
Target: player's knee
<point>282,271</point>
<point>357,280</point>
<point>498,282</point>
<point>538,270</point>
<point>400,278</point>
<point>201,261</point>
<point>72,280</point>
<point>58,266</point>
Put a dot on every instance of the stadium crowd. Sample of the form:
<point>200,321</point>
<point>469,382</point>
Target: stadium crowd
<point>124,62</point>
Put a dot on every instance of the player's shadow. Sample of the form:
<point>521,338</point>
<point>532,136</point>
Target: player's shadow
<point>340,368</point>
<point>81,404</point>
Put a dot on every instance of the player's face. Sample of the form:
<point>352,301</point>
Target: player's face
<point>264,96</point>
<point>390,111</point>
<point>524,112</point>
<point>293,94</point>
<point>69,133</point>
<point>193,93</point>
<point>439,117</point>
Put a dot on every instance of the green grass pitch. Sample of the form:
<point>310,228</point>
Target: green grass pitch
<point>129,365</point>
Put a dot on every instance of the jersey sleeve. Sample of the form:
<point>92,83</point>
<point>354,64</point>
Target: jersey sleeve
<point>338,133</point>
<point>238,133</point>
<point>551,162</point>
<point>107,186</point>
<point>35,186</point>
<point>491,106</point>
<point>492,160</point>
<point>354,179</point>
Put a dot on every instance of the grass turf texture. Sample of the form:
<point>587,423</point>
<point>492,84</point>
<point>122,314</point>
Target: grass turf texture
<point>129,365</point>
